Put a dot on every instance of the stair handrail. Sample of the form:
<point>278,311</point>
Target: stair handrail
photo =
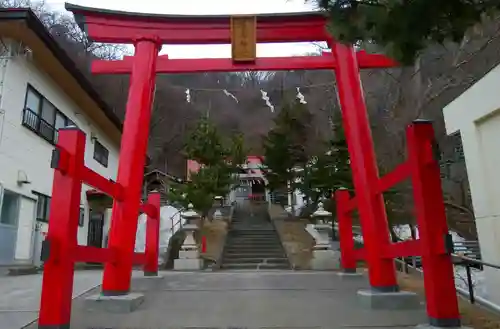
<point>172,224</point>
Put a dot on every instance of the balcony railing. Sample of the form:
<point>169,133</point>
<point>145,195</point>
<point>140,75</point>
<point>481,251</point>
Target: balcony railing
<point>38,125</point>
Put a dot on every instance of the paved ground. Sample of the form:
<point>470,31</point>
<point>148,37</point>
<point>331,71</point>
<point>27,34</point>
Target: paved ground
<point>20,296</point>
<point>279,299</point>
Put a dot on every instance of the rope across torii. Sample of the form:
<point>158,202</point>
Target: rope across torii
<point>148,32</point>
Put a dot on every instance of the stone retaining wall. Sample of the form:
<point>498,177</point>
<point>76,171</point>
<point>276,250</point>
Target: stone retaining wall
<point>296,241</point>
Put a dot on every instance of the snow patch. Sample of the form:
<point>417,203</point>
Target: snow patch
<point>168,216</point>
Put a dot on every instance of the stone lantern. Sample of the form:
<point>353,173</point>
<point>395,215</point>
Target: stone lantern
<point>324,217</point>
<point>324,257</point>
<point>219,204</point>
<point>189,257</point>
<point>190,215</point>
<point>219,201</point>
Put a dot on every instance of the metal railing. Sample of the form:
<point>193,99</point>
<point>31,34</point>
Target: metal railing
<point>36,123</point>
<point>470,263</point>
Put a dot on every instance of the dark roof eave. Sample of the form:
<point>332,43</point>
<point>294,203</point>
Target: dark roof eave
<point>39,29</point>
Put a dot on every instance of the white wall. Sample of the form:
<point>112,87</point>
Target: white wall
<point>476,115</point>
<point>22,149</point>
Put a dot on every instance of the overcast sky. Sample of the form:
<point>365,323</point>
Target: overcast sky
<point>208,7</point>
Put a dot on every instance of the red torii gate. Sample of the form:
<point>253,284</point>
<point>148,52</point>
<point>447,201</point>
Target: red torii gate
<point>148,32</point>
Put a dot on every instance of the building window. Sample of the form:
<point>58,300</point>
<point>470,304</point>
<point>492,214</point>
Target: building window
<point>101,154</point>
<point>9,210</point>
<point>42,117</point>
<point>81,217</point>
<point>42,207</point>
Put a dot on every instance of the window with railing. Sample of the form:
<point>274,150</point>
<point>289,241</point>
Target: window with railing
<point>42,117</point>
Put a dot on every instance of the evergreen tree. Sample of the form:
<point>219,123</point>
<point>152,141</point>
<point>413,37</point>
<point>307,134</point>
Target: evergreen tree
<point>219,160</point>
<point>404,28</point>
<point>329,170</point>
<point>285,147</point>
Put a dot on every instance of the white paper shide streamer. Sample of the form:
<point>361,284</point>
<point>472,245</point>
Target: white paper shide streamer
<point>266,99</point>
<point>300,97</point>
<point>228,94</point>
<point>188,96</point>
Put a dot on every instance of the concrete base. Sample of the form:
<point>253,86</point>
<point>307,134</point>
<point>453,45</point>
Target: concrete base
<point>181,264</point>
<point>151,276</point>
<point>114,304</point>
<point>401,300</point>
<point>188,254</point>
<point>325,260</point>
<point>350,275</point>
<point>428,326</point>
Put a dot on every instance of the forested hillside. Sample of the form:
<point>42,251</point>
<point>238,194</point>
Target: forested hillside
<point>394,97</point>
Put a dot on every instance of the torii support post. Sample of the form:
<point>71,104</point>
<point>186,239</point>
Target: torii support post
<point>117,275</point>
<point>374,226</point>
<point>61,241</point>
<point>152,235</point>
<point>435,240</point>
<point>348,260</point>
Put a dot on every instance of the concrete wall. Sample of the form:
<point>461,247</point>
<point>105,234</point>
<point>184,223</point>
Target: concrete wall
<point>476,115</point>
<point>23,150</point>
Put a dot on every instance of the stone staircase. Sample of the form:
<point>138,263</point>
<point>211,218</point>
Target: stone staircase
<point>253,243</point>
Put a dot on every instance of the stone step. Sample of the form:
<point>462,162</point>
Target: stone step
<point>254,246</point>
<point>247,266</point>
<point>254,252</point>
<point>268,260</point>
<point>252,230</point>
<point>269,244</point>
<point>253,239</point>
<point>257,245</point>
<point>260,251</point>
<point>275,254</point>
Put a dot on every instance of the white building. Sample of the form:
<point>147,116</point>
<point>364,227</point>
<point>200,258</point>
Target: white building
<point>41,90</point>
<point>476,116</point>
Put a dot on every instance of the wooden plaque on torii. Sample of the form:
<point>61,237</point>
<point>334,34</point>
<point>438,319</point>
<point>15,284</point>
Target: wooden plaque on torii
<point>243,38</point>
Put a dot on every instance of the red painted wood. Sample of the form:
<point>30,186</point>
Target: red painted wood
<point>373,218</point>
<point>57,284</point>
<point>148,209</point>
<point>347,253</point>
<point>351,204</point>
<point>399,174</point>
<point>101,183</point>
<point>152,234</point>
<point>405,248</point>
<point>138,258</point>
<point>360,254</point>
<point>166,65</point>
<point>116,27</point>
<point>440,291</point>
<point>116,278</point>
<point>91,254</point>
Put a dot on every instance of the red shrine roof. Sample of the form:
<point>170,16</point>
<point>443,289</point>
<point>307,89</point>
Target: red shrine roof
<point>253,165</point>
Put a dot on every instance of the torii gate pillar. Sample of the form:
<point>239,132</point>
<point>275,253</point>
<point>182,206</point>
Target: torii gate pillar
<point>373,216</point>
<point>117,276</point>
